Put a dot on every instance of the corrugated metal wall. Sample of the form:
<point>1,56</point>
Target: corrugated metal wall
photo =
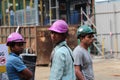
<point>108,21</point>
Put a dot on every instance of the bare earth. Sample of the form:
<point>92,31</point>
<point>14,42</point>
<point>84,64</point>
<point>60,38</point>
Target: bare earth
<point>104,69</point>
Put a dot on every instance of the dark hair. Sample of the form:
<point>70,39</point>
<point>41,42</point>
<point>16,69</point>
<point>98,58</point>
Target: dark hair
<point>11,44</point>
<point>11,8</point>
<point>81,35</point>
<point>65,34</point>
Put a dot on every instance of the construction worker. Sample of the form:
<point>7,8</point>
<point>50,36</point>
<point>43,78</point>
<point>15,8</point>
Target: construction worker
<point>62,67</point>
<point>12,16</point>
<point>16,69</point>
<point>82,59</point>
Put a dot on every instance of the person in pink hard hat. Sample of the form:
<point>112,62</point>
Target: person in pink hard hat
<point>62,67</point>
<point>16,69</point>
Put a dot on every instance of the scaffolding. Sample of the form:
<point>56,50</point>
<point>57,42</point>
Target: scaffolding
<point>23,6</point>
<point>54,9</point>
<point>46,11</point>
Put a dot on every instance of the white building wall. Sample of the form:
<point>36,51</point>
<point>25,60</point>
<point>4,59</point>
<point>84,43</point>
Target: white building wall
<point>107,16</point>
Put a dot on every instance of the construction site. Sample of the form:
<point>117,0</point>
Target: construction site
<point>32,18</point>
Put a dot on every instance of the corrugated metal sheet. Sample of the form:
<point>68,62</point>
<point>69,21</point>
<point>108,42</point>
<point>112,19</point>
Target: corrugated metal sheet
<point>108,21</point>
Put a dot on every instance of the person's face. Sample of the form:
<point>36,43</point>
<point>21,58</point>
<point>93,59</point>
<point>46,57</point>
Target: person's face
<point>18,48</point>
<point>88,39</point>
<point>55,37</point>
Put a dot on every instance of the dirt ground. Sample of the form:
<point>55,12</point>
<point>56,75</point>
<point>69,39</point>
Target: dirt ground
<point>104,69</point>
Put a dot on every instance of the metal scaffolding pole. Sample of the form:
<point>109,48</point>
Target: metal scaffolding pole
<point>56,7</point>
<point>36,7</point>
<point>57,11</point>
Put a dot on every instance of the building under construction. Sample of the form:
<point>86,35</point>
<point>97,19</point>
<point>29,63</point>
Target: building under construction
<point>35,15</point>
<point>43,12</point>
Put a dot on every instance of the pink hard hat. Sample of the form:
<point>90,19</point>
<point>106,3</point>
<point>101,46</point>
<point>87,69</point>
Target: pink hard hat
<point>15,37</point>
<point>59,26</point>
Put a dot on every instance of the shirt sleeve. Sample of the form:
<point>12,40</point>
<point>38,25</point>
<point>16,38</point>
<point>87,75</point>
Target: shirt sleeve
<point>77,55</point>
<point>58,65</point>
<point>19,65</point>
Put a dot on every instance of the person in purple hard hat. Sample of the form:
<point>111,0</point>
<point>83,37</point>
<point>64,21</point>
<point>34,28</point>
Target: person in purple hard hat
<point>16,69</point>
<point>62,67</point>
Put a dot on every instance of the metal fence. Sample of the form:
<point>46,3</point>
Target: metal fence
<point>25,17</point>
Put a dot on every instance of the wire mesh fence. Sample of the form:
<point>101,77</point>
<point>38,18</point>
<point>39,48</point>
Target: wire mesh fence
<point>25,17</point>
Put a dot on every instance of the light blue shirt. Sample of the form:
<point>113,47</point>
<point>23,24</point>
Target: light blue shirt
<point>14,65</point>
<point>62,67</point>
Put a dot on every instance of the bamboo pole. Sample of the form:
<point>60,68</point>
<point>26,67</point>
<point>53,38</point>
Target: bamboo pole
<point>31,3</point>
<point>24,6</point>
<point>116,36</point>
<point>93,6</point>
<point>103,51</point>
<point>8,14</point>
<point>41,9</point>
<point>81,17</point>
<point>88,19</point>
<point>14,5</point>
<point>50,12</point>
<point>116,46</point>
<point>3,11</point>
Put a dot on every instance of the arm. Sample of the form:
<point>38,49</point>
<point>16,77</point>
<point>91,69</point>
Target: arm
<point>21,69</point>
<point>78,62</point>
<point>26,74</point>
<point>78,73</point>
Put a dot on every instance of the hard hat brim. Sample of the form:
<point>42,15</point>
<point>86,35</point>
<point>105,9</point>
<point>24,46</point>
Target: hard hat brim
<point>51,29</point>
<point>16,41</point>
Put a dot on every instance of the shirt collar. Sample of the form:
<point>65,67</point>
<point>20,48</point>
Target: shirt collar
<point>13,54</point>
<point>61,44</point>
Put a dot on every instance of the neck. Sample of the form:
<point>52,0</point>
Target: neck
<point>17,53</point>
<point>59,42</point>
<point>84,46</point>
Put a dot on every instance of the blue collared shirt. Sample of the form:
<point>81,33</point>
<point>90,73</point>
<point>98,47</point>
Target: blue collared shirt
<point>14,65</point>
<point>62,64</point>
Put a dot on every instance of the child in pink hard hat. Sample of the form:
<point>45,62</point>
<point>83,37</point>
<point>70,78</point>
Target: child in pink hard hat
<point>16,69</point>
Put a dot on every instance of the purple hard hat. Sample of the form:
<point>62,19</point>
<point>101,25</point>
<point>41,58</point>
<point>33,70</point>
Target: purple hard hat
<point>15,37</point>
<point>59,26</point>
